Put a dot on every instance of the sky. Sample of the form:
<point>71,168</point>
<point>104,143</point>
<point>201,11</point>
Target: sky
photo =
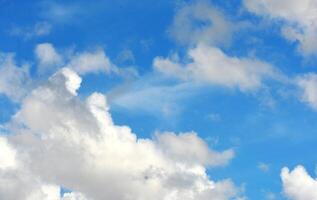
<point>159,100</point>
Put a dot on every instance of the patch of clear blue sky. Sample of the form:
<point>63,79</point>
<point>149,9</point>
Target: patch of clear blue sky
<point>282,135</point>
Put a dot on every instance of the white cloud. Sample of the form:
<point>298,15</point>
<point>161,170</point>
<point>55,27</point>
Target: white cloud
<point>212,66</point>
<point>47,56</point>
<point>7,154</point>
<point>200,22</point>
<point>90,62</point>
<point>308,86</point>
<point>73,196</point>
<point>95,61</point>
<point>77,145</point>
<point>298,184</point>
<point>14,80</point>
<point>300,19</point>
<point>196,151</point>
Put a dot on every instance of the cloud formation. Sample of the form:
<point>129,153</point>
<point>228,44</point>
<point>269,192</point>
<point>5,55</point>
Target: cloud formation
<point>308,88</point>
<point>90,62</point>
<point>299,20</point>
<point>47,56</point>
<point>211,65</point>
<point>298,184</point>
<point>95,61</point>
<point>201,22</point>
<point>75,144</point>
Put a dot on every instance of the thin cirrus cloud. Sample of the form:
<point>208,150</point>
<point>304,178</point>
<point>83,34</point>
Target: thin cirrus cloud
<point>91,152</point>
<point>298,17</point>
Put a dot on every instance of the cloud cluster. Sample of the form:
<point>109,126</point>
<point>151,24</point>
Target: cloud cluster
<point>82,62</point>
<point>298,184</point>
<point>16,81</point>
<point>59,140</point>
<point>299,17</point>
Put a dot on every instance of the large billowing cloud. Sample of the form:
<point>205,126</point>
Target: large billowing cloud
<point>299,17</point>
<point>59,140</point>
<point>298,184</point>
<point>212,66</point>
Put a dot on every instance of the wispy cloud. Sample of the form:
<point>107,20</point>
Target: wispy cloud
<point>39,29</point>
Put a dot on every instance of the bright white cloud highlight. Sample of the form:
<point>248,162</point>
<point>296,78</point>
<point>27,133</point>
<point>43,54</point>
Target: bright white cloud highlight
<point>7,154</point>
<point>298,184</point>
<point>212,66</point>
<point>76,144</point>
<point>300,19</point>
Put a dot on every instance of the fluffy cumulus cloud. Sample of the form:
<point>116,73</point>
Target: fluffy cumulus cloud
<point>14,79</point>
<point>95,61</point>
<point>201,22</point>
<point>308,86</point>
<point>60,140</point>
<point>47,56</point>
<point>90,62</point>
<point>298,184</point>
<point>299,17</point>
<point>212,66</point>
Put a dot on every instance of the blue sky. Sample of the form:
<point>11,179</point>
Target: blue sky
<point>232,76</point>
